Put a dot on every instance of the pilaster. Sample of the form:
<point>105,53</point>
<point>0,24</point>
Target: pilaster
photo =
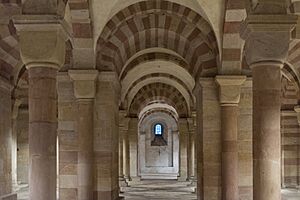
<point>84,91</point>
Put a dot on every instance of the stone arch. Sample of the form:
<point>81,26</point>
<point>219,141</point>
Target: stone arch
<point>159,92</point>
<point>158,77</point>
<point>155,24</point>
<point>232,55</point>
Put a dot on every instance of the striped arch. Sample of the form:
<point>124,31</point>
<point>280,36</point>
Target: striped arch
<point>152,57</point>
<point>235,13</point>
<point>156,77</point>
<point>9,51</point>
<point>289,94</point>
<point>158,110</point>
<point>158,92</point>
<point>291,74</point>
<point>81,19</point>
<point>294,55</point>
<point>162,24</point>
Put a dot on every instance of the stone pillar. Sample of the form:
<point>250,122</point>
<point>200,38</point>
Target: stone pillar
<point>5,138</point>
<point>191,151</point>
<point>106,142</point>
<point>183,148</point>
<point>267,43</point>
<point>126,154</point>
<point>133,149</point>
<point>84,91</point>
<point>229,97</point>
<point>42,49</point>
<point>197,91</point>
<point>14,147</point>
<point>297,110</point>
<point>123,129</point>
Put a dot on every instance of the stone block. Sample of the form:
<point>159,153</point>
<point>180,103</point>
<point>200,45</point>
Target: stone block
<point>68,181</point>
<point>66,125</point>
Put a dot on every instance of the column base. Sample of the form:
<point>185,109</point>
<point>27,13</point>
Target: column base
<point>182,179</point>
<point>12,196</point>
<point>122,182</point>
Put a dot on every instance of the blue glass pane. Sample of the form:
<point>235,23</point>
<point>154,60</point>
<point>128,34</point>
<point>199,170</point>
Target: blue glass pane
<point>158,129</point>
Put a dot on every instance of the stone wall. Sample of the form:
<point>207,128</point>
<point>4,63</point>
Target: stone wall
<point>158,161</point>
<point>22,146</point>
<point>290,141</point>
<point>210,135</point>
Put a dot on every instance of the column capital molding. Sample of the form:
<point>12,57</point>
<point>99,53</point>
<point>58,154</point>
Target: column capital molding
<point>230,89</point>
<point>123,120</point>
<point>42,40</point>
<point>84,83</point>
<point>267,37</point>
<point>297,110</point>
<point>15,110</point>
<point>257,23</point>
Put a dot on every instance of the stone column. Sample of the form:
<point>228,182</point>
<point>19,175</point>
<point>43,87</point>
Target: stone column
<point>229,97</point>
<point>5,138</point>
<point>84,91</point>
<point>267,43</point>
<point>42,48</point>
<point>133,150</point>
<point>183,148</point>
<point>106,141</point>
<point>191,151</point>
<point>15,112</point>
<point>297,110</point>
<point>126,154</point>
<point>123,129</point>
<point>197,91</point>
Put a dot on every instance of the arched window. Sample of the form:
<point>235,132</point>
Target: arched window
<point>158,130</point>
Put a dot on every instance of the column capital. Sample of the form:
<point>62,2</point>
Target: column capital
<point>267,37</point>
<point>42,40</point>
<point>268,6</point>
<point>15,110</point>
<point>230,89</point>
<point>123,120</point>
<point>84,83</point>
<point>297,110</point>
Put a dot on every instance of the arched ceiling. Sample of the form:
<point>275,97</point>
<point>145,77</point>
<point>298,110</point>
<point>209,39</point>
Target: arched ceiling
<point>157,107</point>
<point>158,93</point>
<point>211,10</point>
<point>158,24</point>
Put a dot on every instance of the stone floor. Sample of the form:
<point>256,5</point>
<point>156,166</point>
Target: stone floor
<point>161,190</point>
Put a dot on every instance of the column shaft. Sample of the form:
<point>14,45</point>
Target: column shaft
<point>126,152</point>
<point>121,163</point>
<point>183,142</point>
<point>191,154</point>
<point>266,131</point>
<point>229,117</point>
<point>85,148</point>
<point>106,137</point>
<point>42,133</point>
<point>133,148</point>
<point>5,138</point>
<point>230,89</point>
